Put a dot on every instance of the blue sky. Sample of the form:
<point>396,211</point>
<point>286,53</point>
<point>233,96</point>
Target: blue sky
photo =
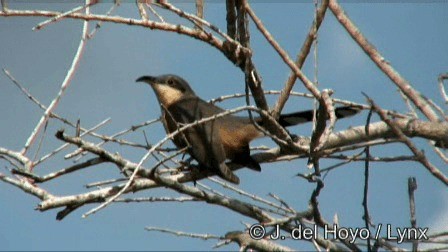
<point>412,36</point>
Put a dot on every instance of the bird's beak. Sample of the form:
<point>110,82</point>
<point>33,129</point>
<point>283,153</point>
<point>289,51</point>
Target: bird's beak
<point>147,79</point>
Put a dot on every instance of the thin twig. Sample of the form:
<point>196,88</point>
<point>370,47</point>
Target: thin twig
<point>408,104</point>
<point>180,233</point>
<point>105,182</point>
<point>155,12</point>
<point>113,138</point>
<point>73,168</point>
<point>157,199</point>
<point>88,131</point>
<point>198,34</point>
<point>39,145</point>
<point>212,198</point>
<point>249,195</point>
<point>373,158</point>
<point>62,15</point>
<point>125,187</point>
<point>65,83</point>
<point>441,154</point>
<point>198,22</point>
<point>208,188</point>
<point>100,23</point>
<point>283,202</point>
<point>42,159</point>
<point>141,9</point>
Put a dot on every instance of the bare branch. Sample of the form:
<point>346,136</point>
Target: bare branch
<point>27,187</point>
<point>402,136</point>
<point>247,242</point>
<point>179,233</point>
<point>251,196</point>
<point>412,186</point>
<point>62,15</point>
<point>300,60</point>
<point>66,81</point>
<point>19,157</point>
<point>381,62</point>
<point>231,18</point>
<point>366,216</point>
<point>199,10</point>
<point>321,132</point>
<point>105,182</point>
<point>230,203</point>
<point>141,9</point>
<point>308,84</point>
<point>156,199</point>
<point>73,168</point>
<point>100,23</point>
<point>42,159</point>
<point>194,33</point>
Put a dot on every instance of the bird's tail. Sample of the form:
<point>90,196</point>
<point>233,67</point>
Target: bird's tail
<point>295,118</point>
<point>227,174</point>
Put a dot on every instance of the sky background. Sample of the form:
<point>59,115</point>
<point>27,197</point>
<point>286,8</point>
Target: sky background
<point>412,36</point>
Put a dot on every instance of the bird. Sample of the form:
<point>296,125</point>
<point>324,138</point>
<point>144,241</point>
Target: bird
<point>215,141</point>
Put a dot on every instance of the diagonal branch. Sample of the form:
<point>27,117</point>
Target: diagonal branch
<point>246,243</point>
<point>283,54</point>
<point>418,153</point>
<point>304,51</point>
<point>238,52</point>
<point>381,62</point>
<point>64,85</point>
<point>73,168</point>
<point>27,187</point>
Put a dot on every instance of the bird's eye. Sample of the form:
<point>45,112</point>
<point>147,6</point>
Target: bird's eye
<point>170,82</point>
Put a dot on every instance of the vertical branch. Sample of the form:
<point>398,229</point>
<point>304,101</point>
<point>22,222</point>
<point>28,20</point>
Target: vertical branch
<point>381,62</point>
<point>4,5</point>
<point>199,12</point>
<point>231,18</point>
<point>64,85</point>
<point>321,133</point>
<point>314,203</point>
<point>366,217</point>
<point>315,102</point>
<point>412,186</point>
<point>252,78</point>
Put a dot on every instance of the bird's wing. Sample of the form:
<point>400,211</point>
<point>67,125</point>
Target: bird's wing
<point>204,140</point>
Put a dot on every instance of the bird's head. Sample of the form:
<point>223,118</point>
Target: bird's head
<point>169,88</point>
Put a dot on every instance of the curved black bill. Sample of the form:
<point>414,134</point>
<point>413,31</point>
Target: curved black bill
<point>148,79</point>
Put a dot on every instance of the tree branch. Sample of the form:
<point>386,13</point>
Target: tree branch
<point>381,62</point>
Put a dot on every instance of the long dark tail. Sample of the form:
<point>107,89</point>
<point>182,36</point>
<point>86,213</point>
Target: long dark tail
<point>295,118</point>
